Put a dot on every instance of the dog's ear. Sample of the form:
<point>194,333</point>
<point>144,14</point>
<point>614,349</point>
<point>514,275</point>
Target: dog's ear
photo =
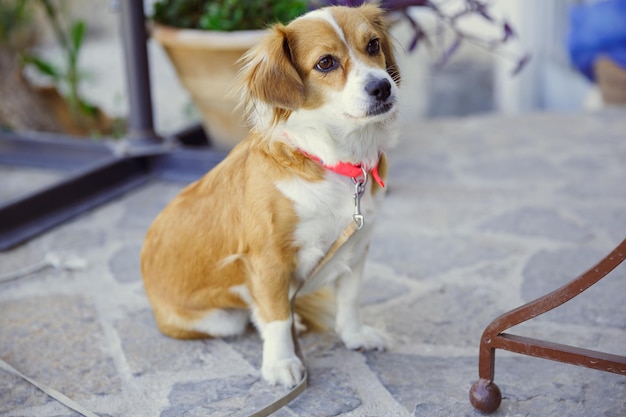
<point>269,74</point>
<point>378,18</point>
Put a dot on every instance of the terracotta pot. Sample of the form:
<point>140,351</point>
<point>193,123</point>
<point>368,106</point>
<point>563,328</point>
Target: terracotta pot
<point>611,79</point>
<point>205,62</point>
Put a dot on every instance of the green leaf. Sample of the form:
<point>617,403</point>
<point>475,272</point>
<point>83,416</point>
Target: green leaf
<point>77,33</point>
<point>88,108</point>
<point>227,15</point>
<point>42,66</point>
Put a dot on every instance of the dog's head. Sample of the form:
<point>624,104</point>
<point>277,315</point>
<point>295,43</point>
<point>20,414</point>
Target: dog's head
<point>333,65</point>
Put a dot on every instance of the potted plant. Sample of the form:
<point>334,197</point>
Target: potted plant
<point>205,38</point>
<point>59,106</point>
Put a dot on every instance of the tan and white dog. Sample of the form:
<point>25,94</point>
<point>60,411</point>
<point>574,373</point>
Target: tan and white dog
<point>321,94</point>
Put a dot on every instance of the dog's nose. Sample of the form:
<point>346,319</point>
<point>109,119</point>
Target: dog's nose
<point>379,89</point>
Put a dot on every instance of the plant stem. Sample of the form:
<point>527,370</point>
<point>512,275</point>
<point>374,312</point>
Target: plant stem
<point>71,56</point>
<point>56,25</point>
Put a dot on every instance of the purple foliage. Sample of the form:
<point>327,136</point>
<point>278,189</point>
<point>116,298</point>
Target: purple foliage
<point>471,7</point>
<point>509,33</point>
<point>443,59</point>
<point>521,63</point>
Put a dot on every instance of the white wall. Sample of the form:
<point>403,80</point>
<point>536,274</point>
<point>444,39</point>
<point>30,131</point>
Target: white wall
<point>548,82</point>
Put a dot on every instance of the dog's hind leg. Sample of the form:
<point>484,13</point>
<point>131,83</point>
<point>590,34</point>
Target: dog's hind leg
<point>216,322</point>
<point>223,322</point>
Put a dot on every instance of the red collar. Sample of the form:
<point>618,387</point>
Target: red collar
<point>347,169</point>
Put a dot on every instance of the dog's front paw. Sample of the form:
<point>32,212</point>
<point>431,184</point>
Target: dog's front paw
<point>287,372</point>
<point>366,338</point>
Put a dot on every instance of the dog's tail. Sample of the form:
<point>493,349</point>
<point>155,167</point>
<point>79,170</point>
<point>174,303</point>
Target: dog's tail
<point>317,310</point>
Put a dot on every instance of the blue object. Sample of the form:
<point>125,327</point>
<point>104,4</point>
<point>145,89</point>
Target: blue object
<point>597,29</point>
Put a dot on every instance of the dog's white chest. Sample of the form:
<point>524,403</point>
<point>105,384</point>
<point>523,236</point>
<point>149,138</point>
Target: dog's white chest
<point>324,210</point>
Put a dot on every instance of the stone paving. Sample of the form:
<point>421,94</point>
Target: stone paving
<point>483,214</point>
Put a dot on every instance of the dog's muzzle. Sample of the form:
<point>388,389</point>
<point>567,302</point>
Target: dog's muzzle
<point>379,90</point>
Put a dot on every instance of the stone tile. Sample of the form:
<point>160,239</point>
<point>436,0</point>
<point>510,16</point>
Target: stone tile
<point>439,387</point>
<point>125,265</point>
<point>600,305</point>
<point>438,210</point>
<point>28,254</point>
<point>143,205</point>
<point>378,287</point>
<point>427,386</point>
<point>538,222</point>
<point>249,346</point>
<point>538,387</point>
<point>76,237</point>
<point>57,341</point>
<point>434,166</point>
<point>148,351</point>
<point>258,397</point>
<point>450,316</point>
<point>610,220</point>
<point>408,193</point>
<point>607,189</point>
<point>242,395</point>
<point>423,257</point>
<point>17,394</point>
<point>329,394</point>
<point>600,338</point>
<point>214,397</point>
<point>587,166</point>
<point>521,168</point>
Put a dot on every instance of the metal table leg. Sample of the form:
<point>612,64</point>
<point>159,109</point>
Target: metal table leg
<point>140,120</point>
<point>485,395</point>
<point>99,172</point>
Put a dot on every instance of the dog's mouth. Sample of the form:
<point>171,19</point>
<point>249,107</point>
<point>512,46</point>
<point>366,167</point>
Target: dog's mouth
<point>375,109</point>
<point>380,108</point>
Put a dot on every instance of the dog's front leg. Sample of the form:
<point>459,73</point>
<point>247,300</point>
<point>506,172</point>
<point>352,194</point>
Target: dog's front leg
<point>272,316</point>
<point>349,326</point>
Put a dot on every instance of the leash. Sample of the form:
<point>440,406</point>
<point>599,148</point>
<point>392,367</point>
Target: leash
<point>354,226</point>
<point>50,260</point>
<point>357,223</point>
<point>66,401</point>
<point>281,402</point>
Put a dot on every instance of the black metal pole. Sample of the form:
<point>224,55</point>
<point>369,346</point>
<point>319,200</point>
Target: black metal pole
<point>140,121</point>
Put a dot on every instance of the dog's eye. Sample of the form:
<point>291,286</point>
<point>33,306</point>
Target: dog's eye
<point>326,63</point>
<point>373,47</point>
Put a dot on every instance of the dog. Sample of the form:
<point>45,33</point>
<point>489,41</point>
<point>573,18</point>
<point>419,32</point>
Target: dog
<point>321,95</point>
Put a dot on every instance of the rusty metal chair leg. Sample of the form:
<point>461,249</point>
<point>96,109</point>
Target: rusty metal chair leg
<point>485,395</point>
